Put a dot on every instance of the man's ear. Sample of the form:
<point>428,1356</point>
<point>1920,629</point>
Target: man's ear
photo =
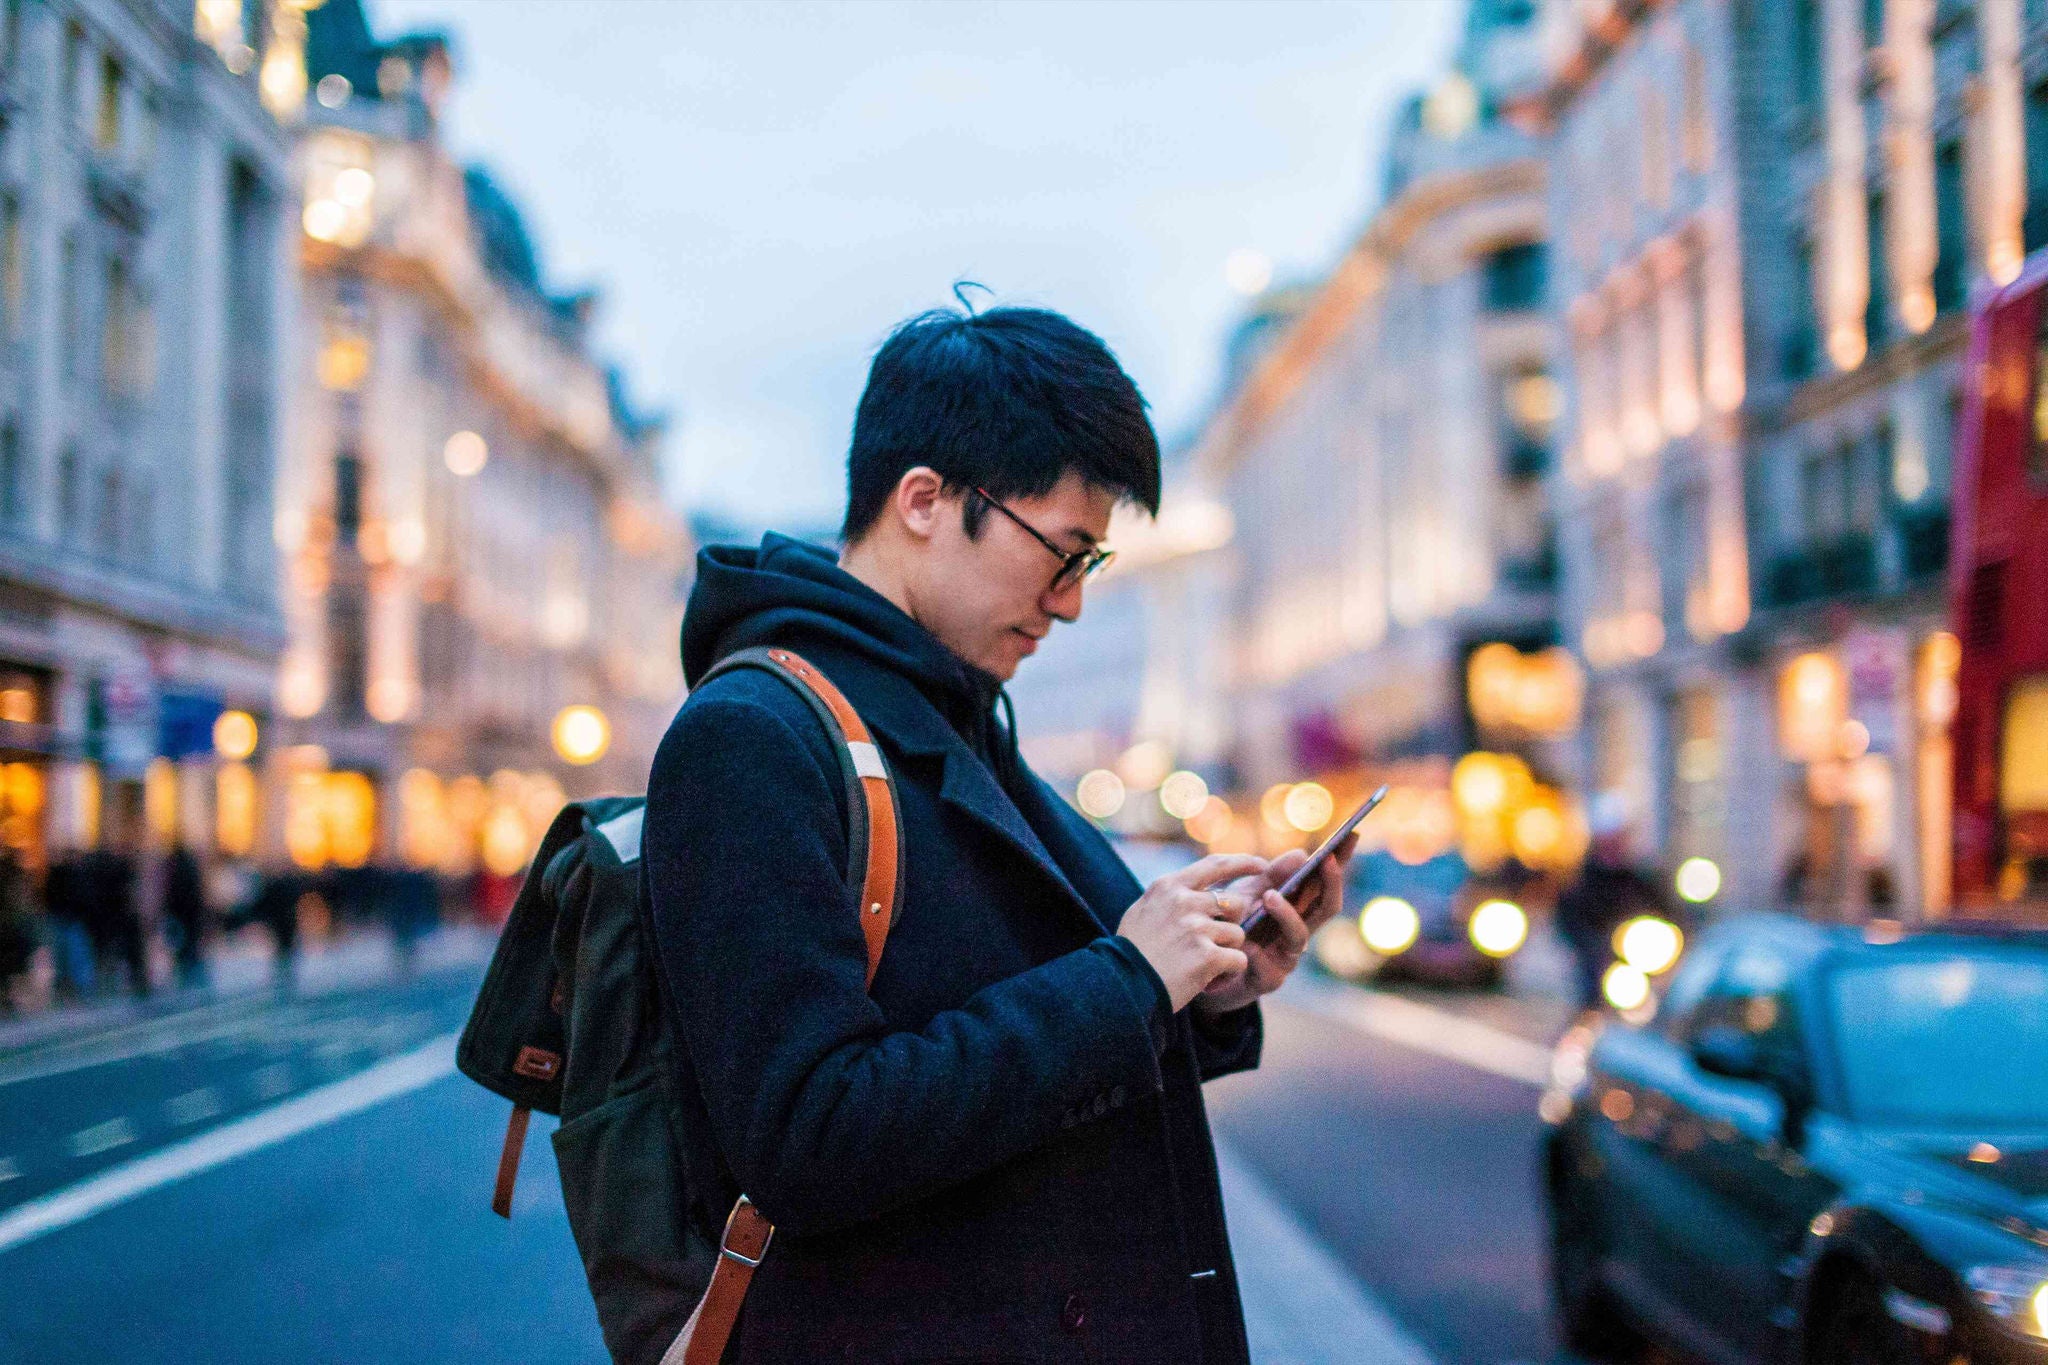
<point>920,500</point>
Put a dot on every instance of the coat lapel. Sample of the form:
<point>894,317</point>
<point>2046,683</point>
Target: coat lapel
<point>909,724</point>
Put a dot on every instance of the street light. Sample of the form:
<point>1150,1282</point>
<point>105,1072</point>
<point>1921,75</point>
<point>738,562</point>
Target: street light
<point>234,735</point>
<point>581,734</point>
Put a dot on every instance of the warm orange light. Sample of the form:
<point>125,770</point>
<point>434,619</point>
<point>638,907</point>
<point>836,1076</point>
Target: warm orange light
<point>581,734</point>
<point>234,735</point>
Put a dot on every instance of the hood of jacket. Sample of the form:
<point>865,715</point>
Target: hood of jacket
<point>791,593</point>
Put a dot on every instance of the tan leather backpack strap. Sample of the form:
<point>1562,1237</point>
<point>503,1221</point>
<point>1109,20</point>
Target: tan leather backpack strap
<point>703,1338</point>
<point>508,1160</point>
<point>747,1231</point>
<point>879,886</point>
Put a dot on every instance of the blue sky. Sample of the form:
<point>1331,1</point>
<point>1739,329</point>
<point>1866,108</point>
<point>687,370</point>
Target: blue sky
<point>762,190</point>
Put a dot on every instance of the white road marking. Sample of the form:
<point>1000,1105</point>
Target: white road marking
<point>388,1079</point>
<point>102,1137</point>
<point>194,1106</point>
<point>140,1040</point>
<point>1424,1028</point>
<point>1301,1306</point>
<point>8,1169</point>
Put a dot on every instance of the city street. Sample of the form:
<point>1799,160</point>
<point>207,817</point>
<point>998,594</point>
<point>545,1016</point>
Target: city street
<point>271,1179</point>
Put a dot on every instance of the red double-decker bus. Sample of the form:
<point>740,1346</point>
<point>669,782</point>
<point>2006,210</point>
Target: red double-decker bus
<point>1998,602</point>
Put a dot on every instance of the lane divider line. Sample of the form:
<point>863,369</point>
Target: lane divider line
<point>388,1079</point>
<point>1301,1305</point>
<point>1424,1028</point>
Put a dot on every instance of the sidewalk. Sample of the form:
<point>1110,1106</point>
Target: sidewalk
<point>244,965</point>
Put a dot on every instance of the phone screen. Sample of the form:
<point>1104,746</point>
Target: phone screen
<point>1293,884</point>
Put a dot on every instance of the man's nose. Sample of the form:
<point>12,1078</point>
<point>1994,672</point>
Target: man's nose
<point>1063,603</point>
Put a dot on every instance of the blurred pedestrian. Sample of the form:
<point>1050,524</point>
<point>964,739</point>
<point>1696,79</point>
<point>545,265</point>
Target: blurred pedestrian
<point>17,925</point>
<point>412,908</point>
<point>67,909</point>
<point>112,915</point>
<point>276,907</point>
<point>1607,892</point>
<point>185,910</point>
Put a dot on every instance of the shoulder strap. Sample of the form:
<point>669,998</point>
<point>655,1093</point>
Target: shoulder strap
<point>873,838</point>
<point>873,851</point>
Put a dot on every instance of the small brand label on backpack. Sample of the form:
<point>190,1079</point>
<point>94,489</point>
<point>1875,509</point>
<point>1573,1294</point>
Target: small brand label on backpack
<point>538,1063</point>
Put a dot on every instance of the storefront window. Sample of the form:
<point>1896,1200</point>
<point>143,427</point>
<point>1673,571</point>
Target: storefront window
<point>2023,785</point>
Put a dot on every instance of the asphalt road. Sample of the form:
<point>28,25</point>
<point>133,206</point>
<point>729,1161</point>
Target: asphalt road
<point>1417,1171</point>
<point>366,1237</point>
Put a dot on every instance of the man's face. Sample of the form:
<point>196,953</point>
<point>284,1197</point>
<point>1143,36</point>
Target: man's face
<point>990,599</point>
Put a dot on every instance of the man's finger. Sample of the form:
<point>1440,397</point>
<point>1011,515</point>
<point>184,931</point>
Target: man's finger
<point>1292,930</point>
<point>1217,867</point>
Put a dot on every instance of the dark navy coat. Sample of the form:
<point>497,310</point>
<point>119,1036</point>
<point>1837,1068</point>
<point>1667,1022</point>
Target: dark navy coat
<point>998,1154</point>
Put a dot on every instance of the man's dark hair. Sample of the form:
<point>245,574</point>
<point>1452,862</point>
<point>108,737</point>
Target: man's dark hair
<point>1012,400</point>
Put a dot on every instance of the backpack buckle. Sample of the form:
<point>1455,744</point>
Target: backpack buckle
<point>753,1221</point>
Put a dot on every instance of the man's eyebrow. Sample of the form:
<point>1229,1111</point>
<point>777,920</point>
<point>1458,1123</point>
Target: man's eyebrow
<point>1085,537</point>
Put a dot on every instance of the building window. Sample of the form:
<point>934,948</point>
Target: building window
<point>106,129</point>
<point>1656,149</point>
<point>1809,56</point>
<point>74,57</point>
<point>1799,348</point>
<point>72,287</point>
<point>1877,309</point>
<point>116,357</point>
<point>1515,277</point>
<point>70,497</point>
<point>10,31</point>
<point>139,542</point>
<point>1951,222</point>
<point>10,473</point>
<point>109,529</point>
<point>2034,226</point>
<point>1873,23</point>
<point>13,267</point>
<point>1698,132</point>
<point>1686,599</point>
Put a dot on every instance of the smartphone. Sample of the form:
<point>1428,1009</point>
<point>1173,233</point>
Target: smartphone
<point>1293,884</point>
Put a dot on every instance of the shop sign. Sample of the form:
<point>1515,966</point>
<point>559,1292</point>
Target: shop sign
<point>184,722</point>
<point>121,724</point>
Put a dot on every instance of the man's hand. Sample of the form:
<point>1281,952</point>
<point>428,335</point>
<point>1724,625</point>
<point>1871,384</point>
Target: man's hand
<point>1272,953</point>
<point>1184,927</point>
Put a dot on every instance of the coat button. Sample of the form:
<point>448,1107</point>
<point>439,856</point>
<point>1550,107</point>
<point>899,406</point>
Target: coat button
<point>1074,1316</point>
<point>1068,1119</point>
<point>1116,1098</point>
<point>1101,1105</point>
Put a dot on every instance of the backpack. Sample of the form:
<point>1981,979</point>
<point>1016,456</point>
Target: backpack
<point>570,1021</point>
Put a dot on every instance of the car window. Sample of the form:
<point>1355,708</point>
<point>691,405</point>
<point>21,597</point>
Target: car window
<point>1954,1041</point>
<point>1753,995</point>
<point>1689,981</point>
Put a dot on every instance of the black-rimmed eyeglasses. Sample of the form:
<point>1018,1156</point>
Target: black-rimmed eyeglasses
<point>1077,566</point>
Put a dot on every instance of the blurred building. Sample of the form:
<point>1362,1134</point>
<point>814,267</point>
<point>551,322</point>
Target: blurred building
<point>1374,597</point>
<point>145,283</point>
<point>482,585</point>
<point>1647,285</point>
<point>1778,211</point>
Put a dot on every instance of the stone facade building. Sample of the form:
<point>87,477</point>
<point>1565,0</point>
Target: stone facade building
<point>145,291</point>
<point>1780,210</point>
<point>469,516</point>
<point>1374,488</point>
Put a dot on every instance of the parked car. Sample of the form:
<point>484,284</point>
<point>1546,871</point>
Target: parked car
<point>1431,921</point>
<point>1828,1145</point>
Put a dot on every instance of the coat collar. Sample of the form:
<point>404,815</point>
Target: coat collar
<point>907,723</point>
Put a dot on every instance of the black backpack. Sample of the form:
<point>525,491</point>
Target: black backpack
<point>570,1021</point>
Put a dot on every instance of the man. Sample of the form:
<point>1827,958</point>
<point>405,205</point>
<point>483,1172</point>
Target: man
<point>1607,893</point>
<point>1000,1151</point>
<point>184,905</point>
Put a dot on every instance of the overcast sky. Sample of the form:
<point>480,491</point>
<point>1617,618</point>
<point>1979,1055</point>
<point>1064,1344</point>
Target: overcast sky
<point>762,190</point>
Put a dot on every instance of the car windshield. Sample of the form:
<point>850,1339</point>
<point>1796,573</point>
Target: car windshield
<point>1956,1041</point>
